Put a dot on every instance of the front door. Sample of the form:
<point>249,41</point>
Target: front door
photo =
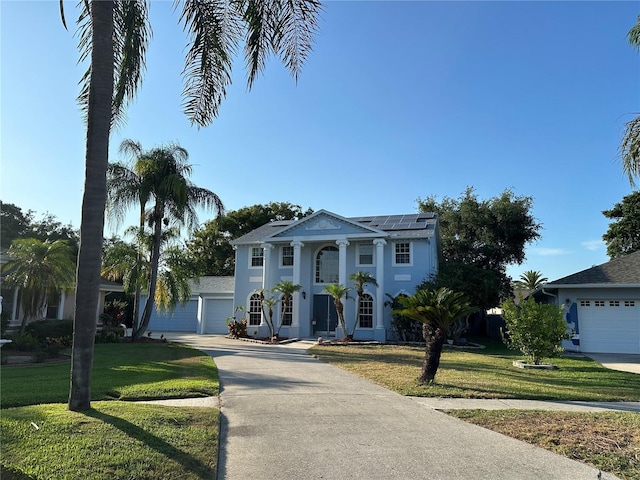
<point>324,314</point>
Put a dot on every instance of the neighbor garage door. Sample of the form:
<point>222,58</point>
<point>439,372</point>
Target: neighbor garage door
<point>609,326</point>
<point>217,312</point>
<point>183,319</point>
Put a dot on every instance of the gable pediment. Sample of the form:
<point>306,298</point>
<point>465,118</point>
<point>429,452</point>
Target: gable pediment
<point>325,224</point>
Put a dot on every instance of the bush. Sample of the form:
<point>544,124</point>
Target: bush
<point>4,322</point>
<point>237,328</point>
<point>46,330</point>
<point>536,329</point>
<point>110,335</point>
<point>24,342</point>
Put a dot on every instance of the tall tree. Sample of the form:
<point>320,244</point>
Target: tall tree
<point>114,37</point>
<point>163,179</point>
<point>41,270</point>
<point>14,223</point>
<point>630,147</point>
<point>360,279</point>
<point>623,235</point>
<point>210,246</point>
<point>437,310</point>
<point>530,280</point>
<point>480,238</point>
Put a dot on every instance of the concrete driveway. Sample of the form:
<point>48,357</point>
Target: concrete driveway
<point>625,362</point>
<point>286,415</point>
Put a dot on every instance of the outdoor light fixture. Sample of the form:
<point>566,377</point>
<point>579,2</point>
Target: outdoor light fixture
<point>304,295</point>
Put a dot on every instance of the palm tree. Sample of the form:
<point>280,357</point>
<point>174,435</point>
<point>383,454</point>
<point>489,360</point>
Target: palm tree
<point>360,279</point>
<point>114,36</point>
<point>530,280</point>
<point>630,147</point>
<point>41,270</point>
<point>163,179</point>
<point>286,288</point>
<point>268,302</point>
<point>436,310</point>
<point>338,291</point>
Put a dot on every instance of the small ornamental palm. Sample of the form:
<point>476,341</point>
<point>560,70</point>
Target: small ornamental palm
<point>286,288</point>
<point>338,291</point>
<point>360,279</point>
<point>436,310</point>
<point>530,280</point>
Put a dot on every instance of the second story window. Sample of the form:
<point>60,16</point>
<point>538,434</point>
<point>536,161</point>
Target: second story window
<point>286,257</point>
<point>257,256</point>
<point>327,265</point>
<point>402,253</point>
<point>365,254</point>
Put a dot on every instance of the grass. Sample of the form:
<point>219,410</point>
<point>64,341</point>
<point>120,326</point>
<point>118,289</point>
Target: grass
<point>482,374</point>
<point>115,439</point>
<point>609,441</point>
<point>120,371</point>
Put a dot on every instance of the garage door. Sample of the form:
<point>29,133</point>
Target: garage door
<point>183,319</point>
<point>217,312</point>
<point>609,326</point>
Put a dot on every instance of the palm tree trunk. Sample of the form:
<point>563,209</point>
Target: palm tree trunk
<point>434,341</point>
<point>93,203</point>
<point>285,303</point>
<point>153,278</point>
<point>353,331</point>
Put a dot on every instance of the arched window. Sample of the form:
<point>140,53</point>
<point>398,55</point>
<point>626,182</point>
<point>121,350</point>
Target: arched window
<point>366,311</point>
<point>255,310</point>
<point>327,265</point>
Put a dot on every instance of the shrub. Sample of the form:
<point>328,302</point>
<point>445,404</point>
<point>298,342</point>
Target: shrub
<point>536,329</point>
<point>24,342</point>
<point>237,328</point>
<point>405,328</point>
<point>4,322</point>
<point>42,330</point>
<point>109,335</point>
<point>116,310</point>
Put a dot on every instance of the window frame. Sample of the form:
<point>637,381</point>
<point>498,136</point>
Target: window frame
<point>283,256</point>
<point>372,311</point>
<point>395,253</point>
<point>251,313</point>
<point>252,256</point>
<point>316,272</point>
<point>358,255</point>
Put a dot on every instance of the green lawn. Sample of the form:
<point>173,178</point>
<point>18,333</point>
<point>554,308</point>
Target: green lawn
<point>41,439</point>
<point>120,371</point>
<point>482,374</point>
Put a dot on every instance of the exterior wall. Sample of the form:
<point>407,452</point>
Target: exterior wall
<point>396,279</point>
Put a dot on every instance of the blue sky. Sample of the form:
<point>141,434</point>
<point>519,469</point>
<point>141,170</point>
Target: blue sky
<point>398,101</point>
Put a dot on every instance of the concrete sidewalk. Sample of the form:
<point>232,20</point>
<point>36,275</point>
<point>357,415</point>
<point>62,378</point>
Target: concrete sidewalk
<point>286,415</point>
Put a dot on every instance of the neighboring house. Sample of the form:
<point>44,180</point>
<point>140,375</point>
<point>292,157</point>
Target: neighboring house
<point>62,307</point>
<point>601,306</point>
<point>399,251</point>
<point>210,305</point>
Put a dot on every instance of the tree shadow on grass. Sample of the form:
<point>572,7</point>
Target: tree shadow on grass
<point>187,461</point>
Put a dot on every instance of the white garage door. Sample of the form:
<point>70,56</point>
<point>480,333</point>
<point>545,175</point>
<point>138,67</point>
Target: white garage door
<point>609,326</point>
<point>217,312</point>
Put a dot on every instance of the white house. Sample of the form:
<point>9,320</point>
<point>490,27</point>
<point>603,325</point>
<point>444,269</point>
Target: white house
<point>602,305</point>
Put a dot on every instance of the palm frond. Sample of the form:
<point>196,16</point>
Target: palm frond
<point>630,150</point>
<point>131,38</point>
<point>214,29</point>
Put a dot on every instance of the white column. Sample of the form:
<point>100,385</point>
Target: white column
<point>266,265</point>
<point>14,306</point>
<point>342,261</point>
<point>202,314</point>
<point>61,306</point>
<point>295,313</point>
<point>380,243</point>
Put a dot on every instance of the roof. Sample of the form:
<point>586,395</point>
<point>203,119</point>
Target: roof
<point>404,225</point>
<point>212,285</point>
<point>621,270</point>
